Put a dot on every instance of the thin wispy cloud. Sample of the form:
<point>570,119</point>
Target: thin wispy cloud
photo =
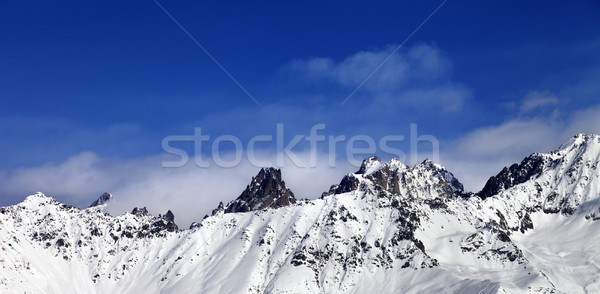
<point>420,76</point>
<point>535,100</point>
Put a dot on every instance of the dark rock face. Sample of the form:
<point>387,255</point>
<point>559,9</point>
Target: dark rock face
<point>140,211</point>
<point>366,163</point>
<point>102,199</point>
<point>267,190</point>
<point>165,223</point>
<point>157,226</point>
<point>219,208</point>
<point>516,174</point>
<point>387,177</point>
<point>348,183</point>
<point>169,216</point>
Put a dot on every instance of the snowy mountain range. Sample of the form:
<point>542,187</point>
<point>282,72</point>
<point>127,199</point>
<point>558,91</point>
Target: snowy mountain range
<point>387,228</point>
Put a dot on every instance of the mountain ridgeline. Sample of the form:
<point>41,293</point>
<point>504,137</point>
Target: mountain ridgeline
<point>387,228</point>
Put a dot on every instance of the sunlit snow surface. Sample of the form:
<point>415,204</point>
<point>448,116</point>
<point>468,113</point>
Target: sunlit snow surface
<point>400,229</point>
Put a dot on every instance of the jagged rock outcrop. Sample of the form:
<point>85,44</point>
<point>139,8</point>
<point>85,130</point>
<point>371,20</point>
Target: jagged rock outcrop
<point>102,200</point>
<point>511,176</point>
<point>556,182</point>
<point>220,209</point>
<point>160,224</point>
<point>396,177</point>
<point>169,216</point>
<point>267,190</point>
<point>140,211</point>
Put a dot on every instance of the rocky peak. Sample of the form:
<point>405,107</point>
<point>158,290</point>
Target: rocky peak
<point>140,211</point>
<point>167,223</point>
<point>169,216</point>
<point>396,178</point>
<point>428,166</point>
<point>157,225</point>
<point>529,168</point>
<point>103,199</point>
<point>580,140</point>
<point>267,190</point>
<point>568,158</point>
<point>349,183</point>
<point>369,165</point>
<point>195,225</point>
<point>219,209</point>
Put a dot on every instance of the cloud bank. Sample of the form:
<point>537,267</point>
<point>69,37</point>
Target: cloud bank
<point>189,191</point>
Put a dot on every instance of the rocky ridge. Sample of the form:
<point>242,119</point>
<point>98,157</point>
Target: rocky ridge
<point>266,190</point>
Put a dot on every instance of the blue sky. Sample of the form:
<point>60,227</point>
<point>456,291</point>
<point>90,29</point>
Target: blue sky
<point>91,89</point>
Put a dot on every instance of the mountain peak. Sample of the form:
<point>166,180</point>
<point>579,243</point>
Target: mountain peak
<point>430,163</point>
<point>511,176</point>
<point>169,216</point>
<point>161,223</point>
<point>140,211</point>
<point>373,164</point>
<point>266,172</point>
<point>36,195</point>
<point>267,189</point>
<point>36,199</point>
<point>102,200</point>
<point>579,140</point>
<point>394,177</point>
<point>569,156</point>
<point>369,165</point>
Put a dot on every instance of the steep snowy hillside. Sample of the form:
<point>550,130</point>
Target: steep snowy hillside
<point>554,200</point>
<point>387,228</point>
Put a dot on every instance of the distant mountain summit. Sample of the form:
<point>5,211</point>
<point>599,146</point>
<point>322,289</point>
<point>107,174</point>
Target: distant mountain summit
<point>426,178</point>
<point>266,190</point>
<point>556,182</point>
<point>577,157</point>
<point>102,200</point>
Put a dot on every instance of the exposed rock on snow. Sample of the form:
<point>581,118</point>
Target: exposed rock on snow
<point>267,190</point>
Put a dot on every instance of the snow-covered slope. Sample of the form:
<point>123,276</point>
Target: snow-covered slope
<point>387,228</point>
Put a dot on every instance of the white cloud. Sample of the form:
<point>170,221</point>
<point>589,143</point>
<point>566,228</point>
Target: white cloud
<point>418,77</point>
<point>534,100</point>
